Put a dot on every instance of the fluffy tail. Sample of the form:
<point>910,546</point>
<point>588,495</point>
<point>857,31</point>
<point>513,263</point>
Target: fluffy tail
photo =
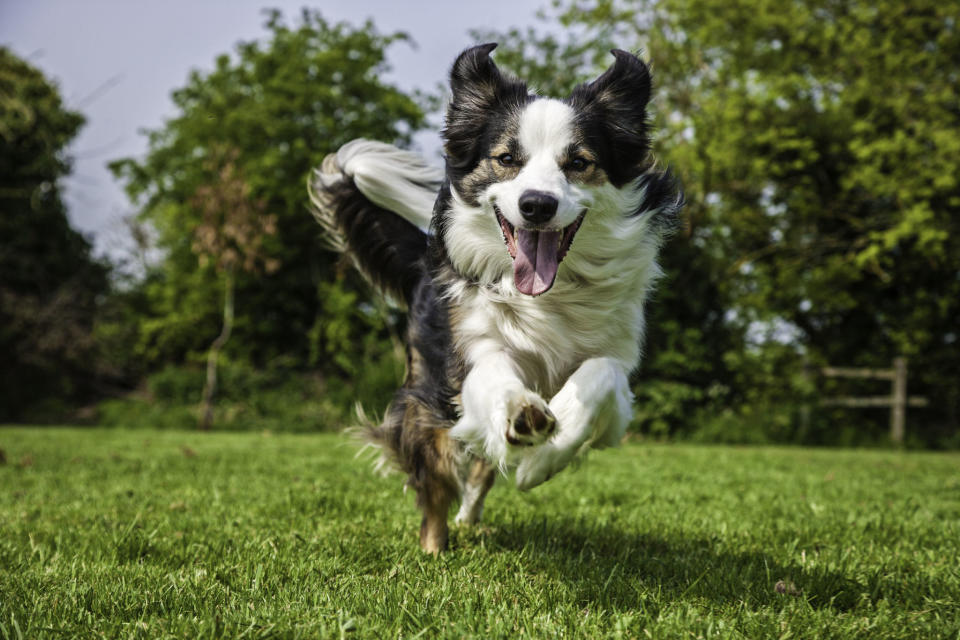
<point>375,202</point>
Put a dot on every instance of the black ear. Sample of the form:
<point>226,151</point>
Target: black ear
<point>615,104</point>
<point>480,93</point>
<point>474,73</point>
<point>625,85</point>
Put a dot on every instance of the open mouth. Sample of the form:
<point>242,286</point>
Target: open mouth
<point>536,253</point>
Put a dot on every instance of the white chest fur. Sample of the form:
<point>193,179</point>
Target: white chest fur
<point>594,310</point>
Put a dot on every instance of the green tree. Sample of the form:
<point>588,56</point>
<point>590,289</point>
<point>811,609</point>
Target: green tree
<point>282,103</point>
<point>819,145</point>
<point>230,236</point>
<point>49,283</point>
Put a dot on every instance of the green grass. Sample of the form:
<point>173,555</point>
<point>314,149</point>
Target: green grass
<point>165,534</point>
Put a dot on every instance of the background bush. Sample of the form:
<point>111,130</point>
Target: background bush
<point>818,145</point>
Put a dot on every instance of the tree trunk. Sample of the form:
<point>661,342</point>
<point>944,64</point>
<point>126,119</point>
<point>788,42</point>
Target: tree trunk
<point>210,388</point>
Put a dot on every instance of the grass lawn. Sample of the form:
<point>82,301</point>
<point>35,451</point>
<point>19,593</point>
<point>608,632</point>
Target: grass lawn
<point>163,534</point>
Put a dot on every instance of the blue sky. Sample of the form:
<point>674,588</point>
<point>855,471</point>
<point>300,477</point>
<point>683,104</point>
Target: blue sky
<point>117,62</point>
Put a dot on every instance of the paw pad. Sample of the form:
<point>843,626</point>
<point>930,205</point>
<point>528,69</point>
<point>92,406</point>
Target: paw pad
<point>532,425</point>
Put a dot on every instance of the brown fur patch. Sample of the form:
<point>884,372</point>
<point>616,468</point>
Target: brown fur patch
<point>593,175</point>
<point>422,447</point>
<point>481,473</point>
<point>437,488</point>
<point>477,476</point>
<point>489,170</point>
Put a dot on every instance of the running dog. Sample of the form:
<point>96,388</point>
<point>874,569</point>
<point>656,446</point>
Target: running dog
<point>524,267</point>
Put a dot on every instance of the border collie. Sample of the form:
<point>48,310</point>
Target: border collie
<point>524,287</point>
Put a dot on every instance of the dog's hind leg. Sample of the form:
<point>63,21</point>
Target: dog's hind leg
<point>434,500</point>
<point>434,476</point>
<point>479,478</point>
<point>418,442</point>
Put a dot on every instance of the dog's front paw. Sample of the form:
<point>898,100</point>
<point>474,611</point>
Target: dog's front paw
<point>529,420</point>
<point>539,465</point>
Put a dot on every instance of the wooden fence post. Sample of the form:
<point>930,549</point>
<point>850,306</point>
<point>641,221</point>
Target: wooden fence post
<point>897,401</point>
<point>899,409</point>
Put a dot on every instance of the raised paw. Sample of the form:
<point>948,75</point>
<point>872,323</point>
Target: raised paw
<point>531,421</point>
<point>539,465</point>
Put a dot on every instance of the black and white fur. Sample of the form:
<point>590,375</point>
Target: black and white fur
<point>525,287</point>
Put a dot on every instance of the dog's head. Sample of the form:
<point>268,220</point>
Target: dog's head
<point>531,168</point>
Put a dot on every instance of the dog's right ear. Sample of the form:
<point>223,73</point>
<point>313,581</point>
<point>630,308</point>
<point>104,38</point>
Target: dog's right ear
<point>478,90</point>
<point>618,101</point>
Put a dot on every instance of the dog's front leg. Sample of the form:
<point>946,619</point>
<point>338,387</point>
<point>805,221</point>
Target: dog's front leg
<point>593,408</point>
<point>499,411</point>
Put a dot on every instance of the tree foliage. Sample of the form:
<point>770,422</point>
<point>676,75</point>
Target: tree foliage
<point>281,103</point>
<point>49,282</point>
<point>819,146</point>
<point>230,234</point>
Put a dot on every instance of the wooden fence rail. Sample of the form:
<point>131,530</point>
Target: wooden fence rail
<point>898,401</point>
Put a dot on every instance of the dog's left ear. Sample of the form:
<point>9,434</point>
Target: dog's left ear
<point>625,86</point>
<point>618,99</point>
<point>479,90</point>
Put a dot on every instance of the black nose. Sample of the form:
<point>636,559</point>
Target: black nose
<point>537,206</point>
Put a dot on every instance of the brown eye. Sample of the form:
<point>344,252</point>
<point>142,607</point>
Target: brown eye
<point>579,164</point>
<point>505,159</point>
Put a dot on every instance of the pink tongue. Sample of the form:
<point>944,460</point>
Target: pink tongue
<point>535,266</point>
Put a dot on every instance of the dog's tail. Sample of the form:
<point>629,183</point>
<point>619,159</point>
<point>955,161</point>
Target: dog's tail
<point>375,202</point>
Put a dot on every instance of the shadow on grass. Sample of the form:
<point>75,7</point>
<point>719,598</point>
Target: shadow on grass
<point>609,567</point>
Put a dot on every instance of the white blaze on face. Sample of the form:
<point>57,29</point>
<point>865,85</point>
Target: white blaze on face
<point>546,130</point>
<point>545,134</point>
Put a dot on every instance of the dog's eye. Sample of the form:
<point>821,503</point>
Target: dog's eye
<point>506,160</point>
<point>579,164</point>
